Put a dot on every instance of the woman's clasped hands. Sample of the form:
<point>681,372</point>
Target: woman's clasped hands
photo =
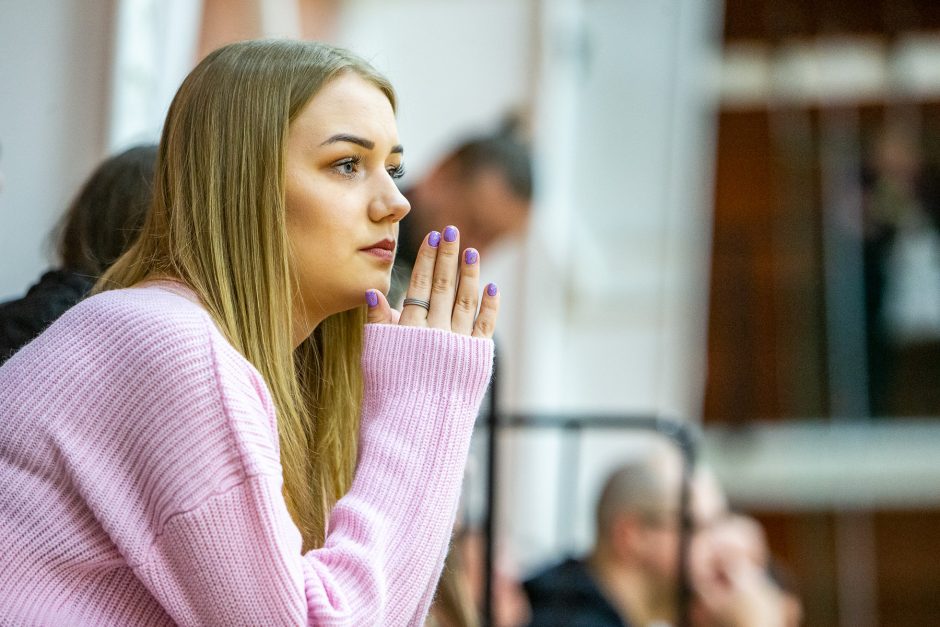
<point>444,291</point>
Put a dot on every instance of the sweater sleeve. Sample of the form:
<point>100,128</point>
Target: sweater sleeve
<point>236,558</point>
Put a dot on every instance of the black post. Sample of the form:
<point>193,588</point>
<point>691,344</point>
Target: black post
<point>492,459</point>
<point>681,436</point>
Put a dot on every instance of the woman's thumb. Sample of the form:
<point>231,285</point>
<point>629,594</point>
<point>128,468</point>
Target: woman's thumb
<point>379,310</point>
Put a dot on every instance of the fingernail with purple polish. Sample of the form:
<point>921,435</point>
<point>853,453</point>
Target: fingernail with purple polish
<point>470,256</point>
<point>372,298</point>
<point>491,289</point>
<point>434,239</point>
<point>450,234</point>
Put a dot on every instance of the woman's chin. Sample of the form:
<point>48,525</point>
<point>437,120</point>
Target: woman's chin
<point>383,284</point>
<point>357,297</point>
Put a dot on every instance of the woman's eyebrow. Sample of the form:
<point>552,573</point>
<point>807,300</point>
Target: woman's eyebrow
<point>359,141</point>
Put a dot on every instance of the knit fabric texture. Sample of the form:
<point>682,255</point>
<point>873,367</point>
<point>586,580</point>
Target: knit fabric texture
<point>140,476</point>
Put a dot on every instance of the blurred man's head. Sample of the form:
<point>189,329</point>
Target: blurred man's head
<point>484,187</point>
<point>638,516</point>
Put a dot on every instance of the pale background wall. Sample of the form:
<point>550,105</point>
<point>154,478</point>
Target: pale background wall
<point>616,319</point>
<point>54,77</point>
<point>452,80</point>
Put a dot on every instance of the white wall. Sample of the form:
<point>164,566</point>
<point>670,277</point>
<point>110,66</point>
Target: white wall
<point>823,465</point>
<point>155,49</point>
<point>458,65</point>
<point>625,200</point>
<point>54,71</point>
<point>617,299</point>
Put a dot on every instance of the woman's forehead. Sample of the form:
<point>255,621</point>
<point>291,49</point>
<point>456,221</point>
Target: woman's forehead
<point>349,104</point>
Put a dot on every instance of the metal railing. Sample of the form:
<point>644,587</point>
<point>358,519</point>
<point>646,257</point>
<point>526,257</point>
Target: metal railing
<point>676,432</point>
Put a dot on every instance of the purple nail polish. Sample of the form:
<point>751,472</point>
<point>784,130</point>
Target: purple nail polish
<point>470,256</point>
<point>491,289</point>
<point>434,239</point>
<point>450,234</point>
<point>372,298</point>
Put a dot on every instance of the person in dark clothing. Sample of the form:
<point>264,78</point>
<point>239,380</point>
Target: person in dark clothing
<point>98,227</point>
<point>568,595</point>
<point>630,576</point>
<point>23,319</point>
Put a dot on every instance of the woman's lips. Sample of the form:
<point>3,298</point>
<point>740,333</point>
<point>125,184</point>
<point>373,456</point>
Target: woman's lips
<point>381,253</point>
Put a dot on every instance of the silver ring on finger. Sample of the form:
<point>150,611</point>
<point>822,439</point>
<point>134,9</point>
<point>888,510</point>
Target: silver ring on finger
<point>420,303</point>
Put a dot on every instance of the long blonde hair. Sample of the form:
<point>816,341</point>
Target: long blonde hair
<point>217,223</point>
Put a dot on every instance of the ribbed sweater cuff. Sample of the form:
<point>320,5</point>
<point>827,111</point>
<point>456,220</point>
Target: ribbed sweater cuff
<point>409,360</point>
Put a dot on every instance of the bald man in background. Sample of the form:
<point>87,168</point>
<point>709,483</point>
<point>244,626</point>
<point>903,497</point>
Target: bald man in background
<point>630,578</point>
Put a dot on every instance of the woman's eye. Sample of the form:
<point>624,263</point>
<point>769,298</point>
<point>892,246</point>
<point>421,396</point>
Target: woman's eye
<point>347,167</point>
<point>396,172</point>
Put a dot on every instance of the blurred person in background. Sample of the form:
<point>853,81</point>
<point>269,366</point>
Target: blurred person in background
<point>901,264</point>
<point>454,605</point>
<point>730,569</point>
<point>631,579</point>
<point>101,223</point>
<point>485,185</point>
<point>736,581</point>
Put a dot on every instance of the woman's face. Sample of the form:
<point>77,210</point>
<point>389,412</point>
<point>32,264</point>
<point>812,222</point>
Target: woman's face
<point>343,204</point>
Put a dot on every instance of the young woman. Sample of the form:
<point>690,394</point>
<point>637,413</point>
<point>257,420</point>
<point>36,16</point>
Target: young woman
<point>218,437</point>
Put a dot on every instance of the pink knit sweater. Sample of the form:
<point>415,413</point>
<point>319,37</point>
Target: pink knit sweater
<point>140,479</point>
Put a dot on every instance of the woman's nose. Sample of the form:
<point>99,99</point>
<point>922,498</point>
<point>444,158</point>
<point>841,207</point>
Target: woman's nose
<point>389,203</point>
